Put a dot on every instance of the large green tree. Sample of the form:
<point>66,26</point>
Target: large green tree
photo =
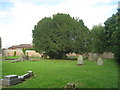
<point>61,34</point>
<point>112,27</point>
<point>0,43</point>
<point>98,39</point>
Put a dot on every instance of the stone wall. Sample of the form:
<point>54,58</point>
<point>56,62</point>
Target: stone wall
<point>95,56</point>
<point>33,53</point>
<point>108,55</point>
<point>104,55</point>
<point>18,52</point>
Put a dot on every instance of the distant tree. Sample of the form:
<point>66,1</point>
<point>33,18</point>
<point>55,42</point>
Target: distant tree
<point>98,39</point>
<point>115,42</point>
<point>23,50</point>
<point>0,43</point>
<point>60,35</point>
<point>14,53</point>
<point>112,28</point>
<point>111,25</point>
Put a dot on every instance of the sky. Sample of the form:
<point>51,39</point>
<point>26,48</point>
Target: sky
<point>18,17</point>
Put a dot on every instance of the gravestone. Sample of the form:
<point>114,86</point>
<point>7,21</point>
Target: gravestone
<point>25,76</point>
<point>94,56</point>
<point>80,60</point>
<point>30,73</point>
<point>99,61</point>
<point>90,57</point>
<point>21,77</point>
<point>70,86</point>
<point>10,80</point>
<point>4,54</point>
<point>15,61</point>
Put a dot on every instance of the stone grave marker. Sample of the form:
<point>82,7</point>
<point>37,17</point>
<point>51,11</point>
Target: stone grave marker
<point>90,57</point>
<point>21,77</point>
<point>99,61</point>
<point>10,80</point>
<point>80,60</point>
<point>94,57</point>
<point>30,73</point>
<point>25,76</point>
<point>70,86</point>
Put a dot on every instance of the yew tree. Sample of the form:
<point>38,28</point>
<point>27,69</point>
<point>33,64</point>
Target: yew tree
<point>60,34</point>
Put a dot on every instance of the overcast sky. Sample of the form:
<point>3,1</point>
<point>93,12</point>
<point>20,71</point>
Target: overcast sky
<point>18,17</point>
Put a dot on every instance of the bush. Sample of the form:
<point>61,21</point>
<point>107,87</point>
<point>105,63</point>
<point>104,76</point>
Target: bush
<point>14,53</point>
<point>24,51</point>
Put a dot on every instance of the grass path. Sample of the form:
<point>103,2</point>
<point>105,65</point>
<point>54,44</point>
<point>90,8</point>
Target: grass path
<point>57,73</point>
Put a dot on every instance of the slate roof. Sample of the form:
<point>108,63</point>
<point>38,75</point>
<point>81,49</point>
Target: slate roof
<point>21,46</point>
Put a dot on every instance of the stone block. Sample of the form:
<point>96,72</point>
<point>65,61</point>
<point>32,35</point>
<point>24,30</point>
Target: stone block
<point>26,75</point>
<point>21,77</point>
<point>10,77</point>
<point>80,60</point>
<point>70,86</point>
<point>8,82</point>
<point>99,61</point>
<point>30,73</point>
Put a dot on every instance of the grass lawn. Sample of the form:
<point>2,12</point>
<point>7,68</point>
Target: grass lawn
<point>57,73</point>
<point>12,57</point>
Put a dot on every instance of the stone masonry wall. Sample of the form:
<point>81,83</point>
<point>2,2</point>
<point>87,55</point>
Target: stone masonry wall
<point>18,52</point>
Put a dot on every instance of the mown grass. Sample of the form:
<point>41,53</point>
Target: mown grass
<point>57,73</point>
<point>12,57</point>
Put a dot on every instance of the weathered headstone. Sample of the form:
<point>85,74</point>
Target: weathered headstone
<point>21,77</point>
<point>70,86</point>
<point>80,60</point>
<point>99,61</point>
<point>30,73</point>
<point>4,54</point>
<point>95,57</point>
<point>85,56</point>
<point>15,61</point>
<point>90,57</point>
<point>10,80</point>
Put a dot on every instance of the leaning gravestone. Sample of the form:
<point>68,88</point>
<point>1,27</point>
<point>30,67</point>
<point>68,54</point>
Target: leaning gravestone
<point>99,61</point>
<point>80,60</point>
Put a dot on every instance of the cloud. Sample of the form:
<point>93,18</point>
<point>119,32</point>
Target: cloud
<point>17,23</point>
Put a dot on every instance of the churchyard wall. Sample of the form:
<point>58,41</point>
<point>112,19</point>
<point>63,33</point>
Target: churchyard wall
<point>10,52</point>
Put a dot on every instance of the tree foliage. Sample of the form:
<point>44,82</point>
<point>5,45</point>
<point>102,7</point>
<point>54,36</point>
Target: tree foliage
<point>61,34</point>
<point>98,39</point>
<point>112,27</point>
<point>0,43</point>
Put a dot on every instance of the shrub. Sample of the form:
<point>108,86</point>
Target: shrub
<point>14,53</point>
<point>24,51</point>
